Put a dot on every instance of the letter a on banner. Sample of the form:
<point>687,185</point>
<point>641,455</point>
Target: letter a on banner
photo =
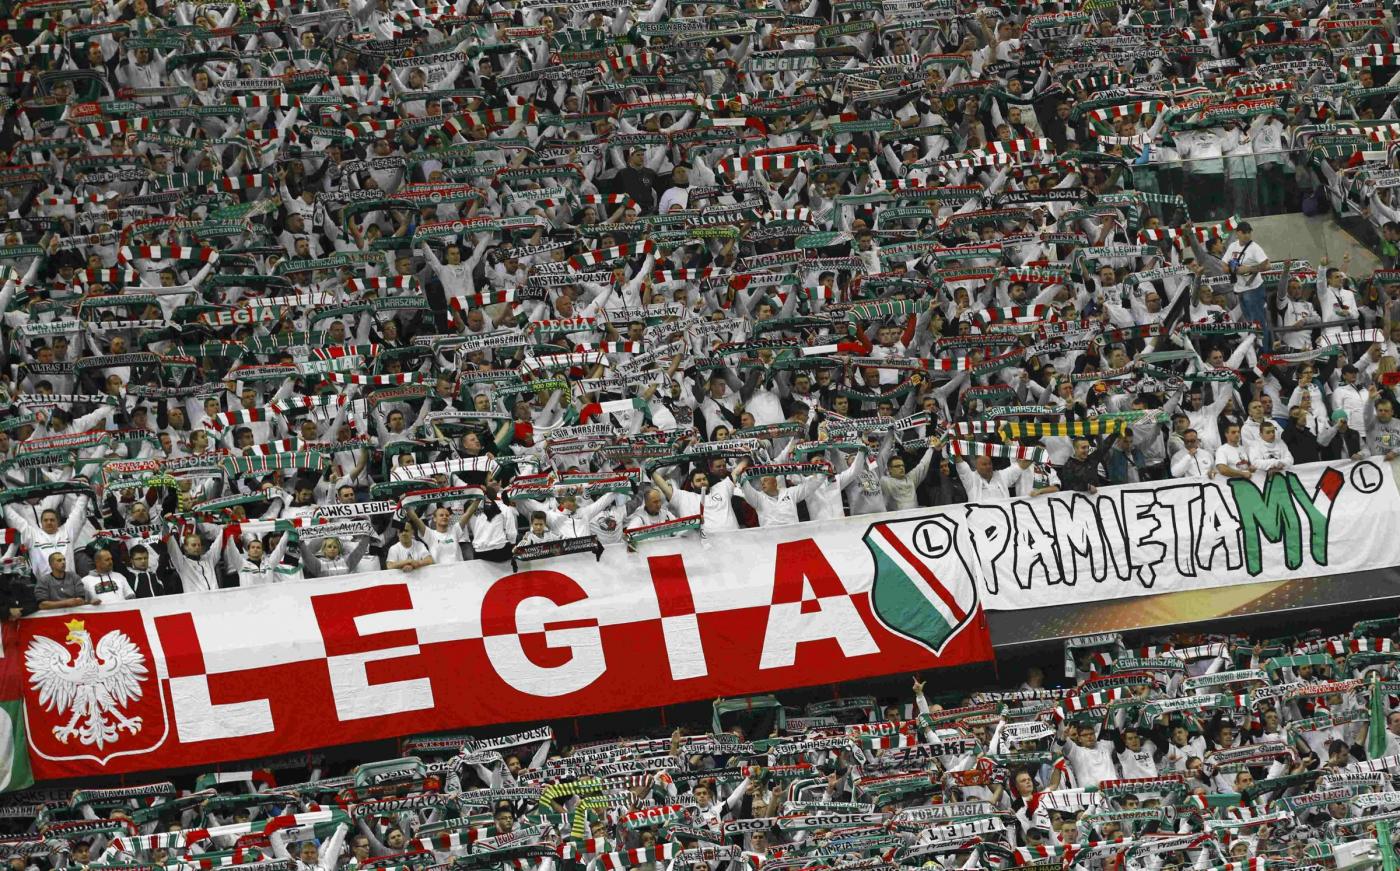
<point>810,604</point>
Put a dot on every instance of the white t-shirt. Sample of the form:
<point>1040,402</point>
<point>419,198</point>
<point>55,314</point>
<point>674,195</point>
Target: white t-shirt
<point>445,547</point>
<point>1232,456</point>
<point>1267,455</point>
<point>398,553</point>
<point>1188,465</point>
<point>1247,254</point>
<point>641,518</point>
<point>1091,765</point>
<point>979,489</point>
<point>1138,763</point>
<point>107,588</point>
<point>714,505</point>
<point>780,510</point>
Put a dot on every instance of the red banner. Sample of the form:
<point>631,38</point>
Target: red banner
<point>238,674</point>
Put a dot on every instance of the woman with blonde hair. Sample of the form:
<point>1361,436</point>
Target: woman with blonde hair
<point>330,560</point>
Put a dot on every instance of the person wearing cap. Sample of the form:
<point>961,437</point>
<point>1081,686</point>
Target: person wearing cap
<point>1340,441</point>
<point>1350,398</point>
<point>1305,442</point>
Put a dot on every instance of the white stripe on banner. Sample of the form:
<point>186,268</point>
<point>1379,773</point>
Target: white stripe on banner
<point>915,575</point>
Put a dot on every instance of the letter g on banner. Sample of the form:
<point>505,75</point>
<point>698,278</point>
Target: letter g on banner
<point>534,640</point>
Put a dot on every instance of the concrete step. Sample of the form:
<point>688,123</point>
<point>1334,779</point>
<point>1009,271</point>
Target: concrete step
<point>1298,236</point>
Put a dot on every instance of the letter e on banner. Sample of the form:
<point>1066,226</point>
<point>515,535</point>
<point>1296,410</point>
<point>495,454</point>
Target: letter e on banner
<point>372,673</point>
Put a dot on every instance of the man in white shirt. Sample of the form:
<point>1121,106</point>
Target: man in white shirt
<point>777,505</point>
<point>1203,150</point>
<point>1231,460</point>
<point>1090,758</point>
<point>1253,423</point>
<point>1337,301</point>
<point>444,537</point>
<point>1193,460</point>
<point>1204,419</point>
<point>602,517</point>
<point>983,483</point>
<point>408,553</point>
<point>1245,259</point>
<point>492,527</point>
<point>105,586</point>
<point>196,566</point>
<point>1137,759</point>
<point>652,512</point>
<point>1181,747</point>
<point>1351,399</point>
<point>711,502</point>
<point>50,535</point>
<point>259,566</point>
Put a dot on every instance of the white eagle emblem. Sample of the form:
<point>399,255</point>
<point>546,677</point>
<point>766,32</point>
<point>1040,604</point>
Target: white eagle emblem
<point>93,684</point>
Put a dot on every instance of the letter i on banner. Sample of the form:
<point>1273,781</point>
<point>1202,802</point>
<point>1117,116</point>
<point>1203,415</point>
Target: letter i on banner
<point>679,624</point>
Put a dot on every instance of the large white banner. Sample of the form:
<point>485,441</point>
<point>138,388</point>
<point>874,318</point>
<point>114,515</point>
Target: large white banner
<point>1162,537</point>
<point>232,674</point>
<point>263,671</point>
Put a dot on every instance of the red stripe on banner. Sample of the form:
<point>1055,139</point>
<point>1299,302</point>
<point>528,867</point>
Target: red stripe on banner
<point>337,613</point>
<point>183,656</point>
<point>505,678</point>
<point>1331,483</point>
<point>672,586</point>
<point>924,573</point>
<point>561,625</point>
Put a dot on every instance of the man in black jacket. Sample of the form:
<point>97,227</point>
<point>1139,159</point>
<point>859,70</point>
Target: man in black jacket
<point>638,181</point>
<point>1081,471</point>
<point>16,597</point>
<point>146,582</point>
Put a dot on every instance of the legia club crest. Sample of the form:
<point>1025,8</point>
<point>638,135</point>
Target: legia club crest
<point>922,590</point>
<point>88,687</point>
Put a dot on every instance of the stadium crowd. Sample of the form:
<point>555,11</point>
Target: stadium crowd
<point>1222,752</point>
<point>300,290</point>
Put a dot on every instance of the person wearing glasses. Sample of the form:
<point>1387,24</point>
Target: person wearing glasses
<point>1194,460</point>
